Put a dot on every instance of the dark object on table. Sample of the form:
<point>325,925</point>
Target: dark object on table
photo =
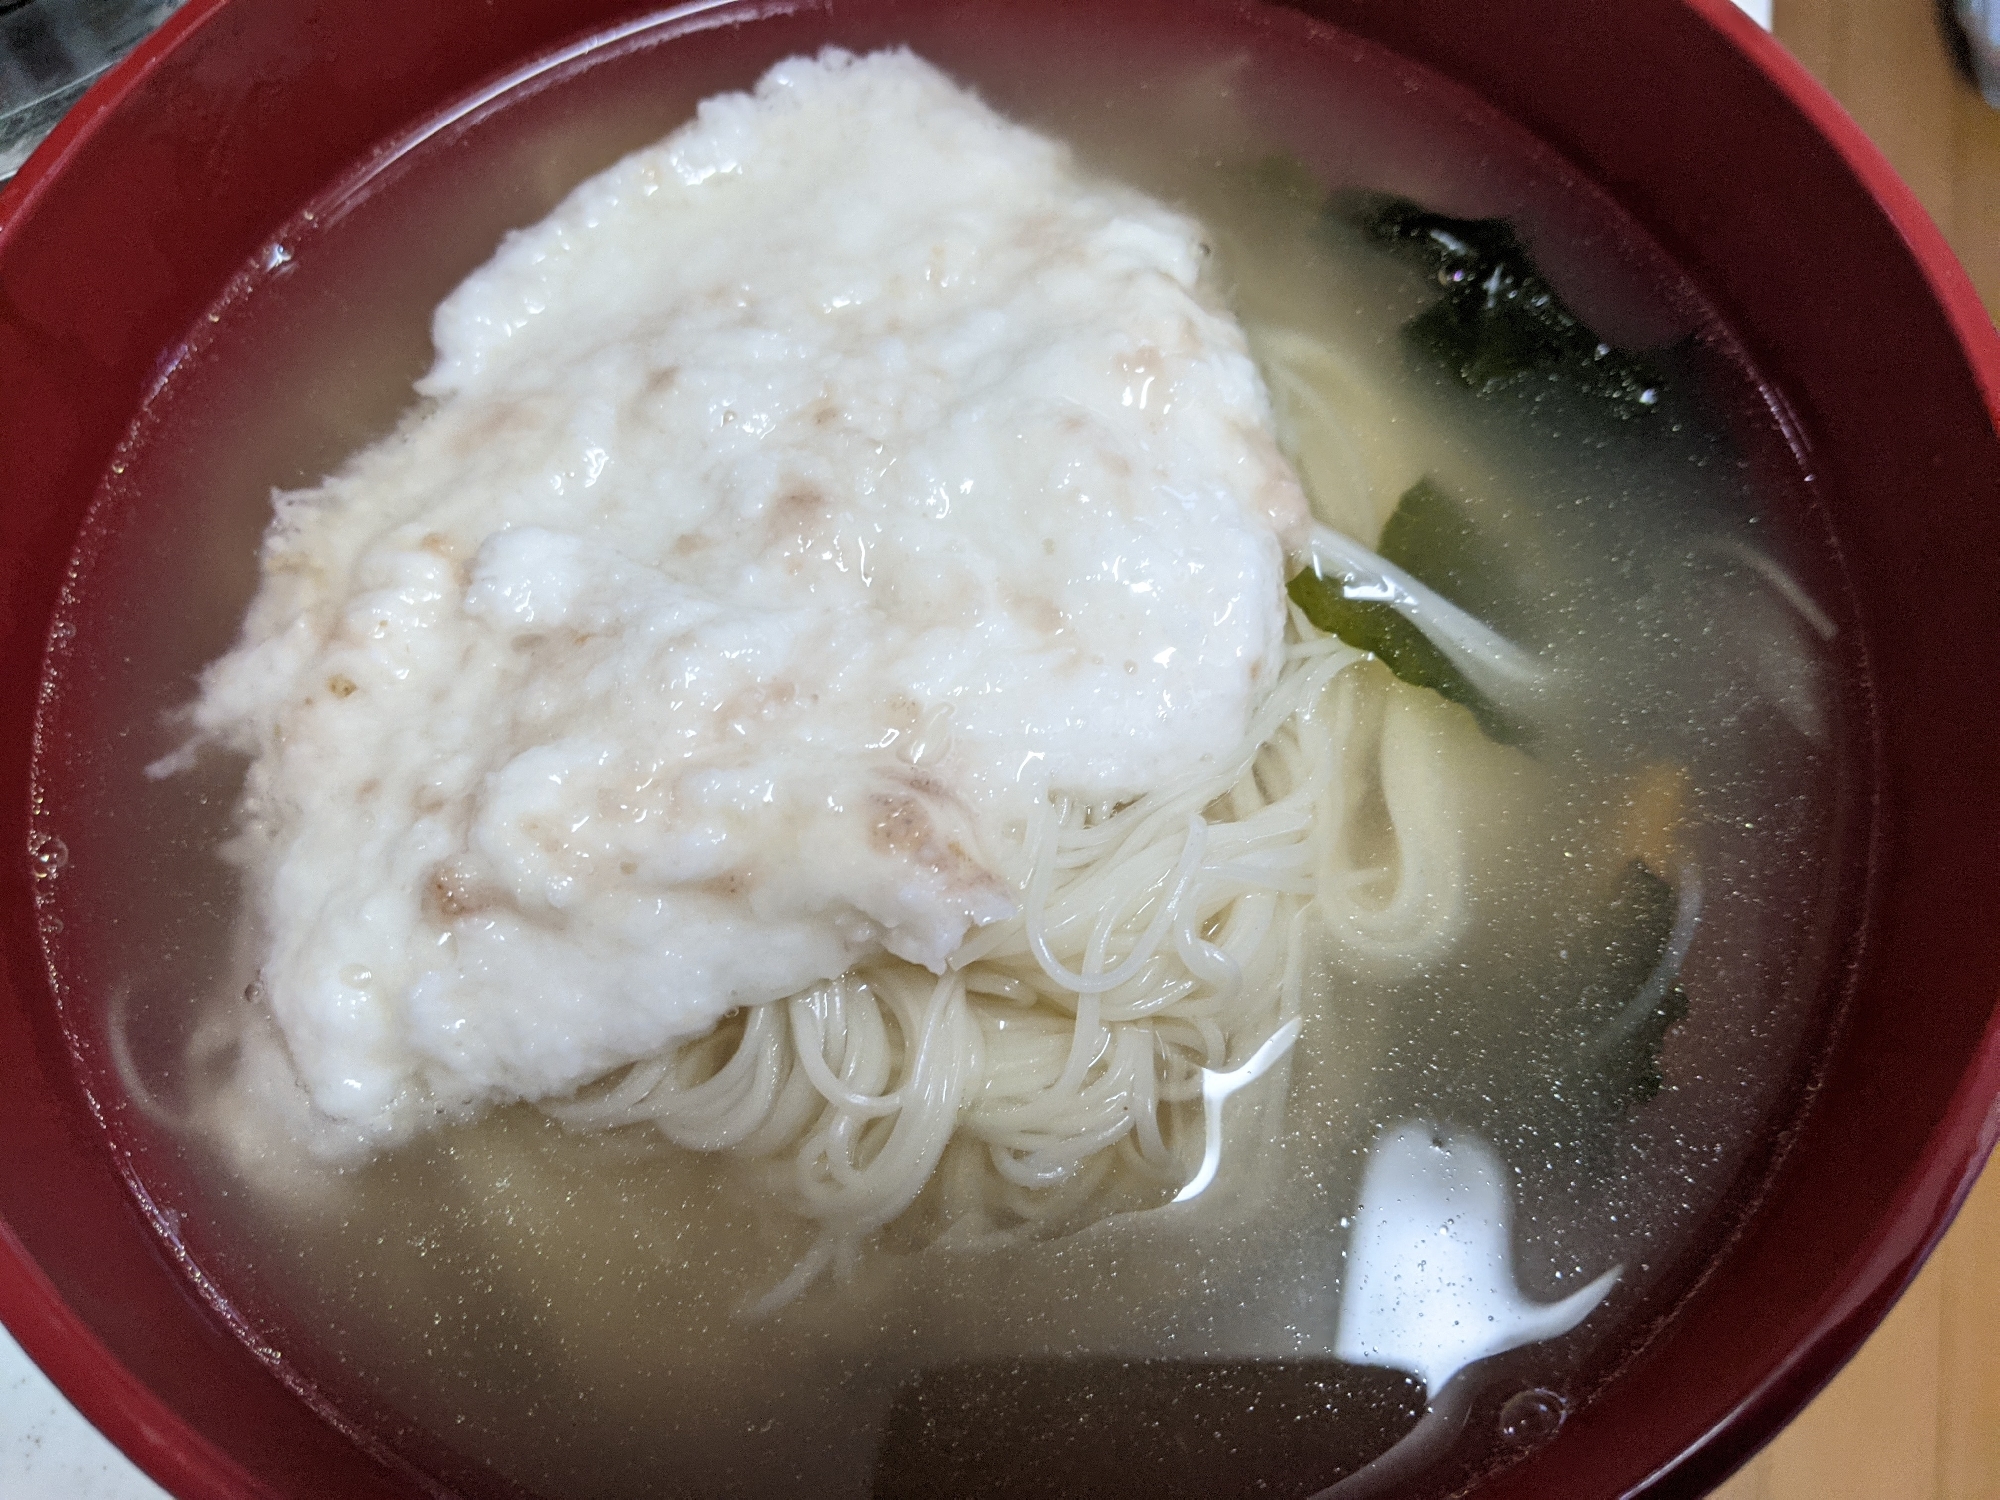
<point>1972,35</point>
<point>51,51</point>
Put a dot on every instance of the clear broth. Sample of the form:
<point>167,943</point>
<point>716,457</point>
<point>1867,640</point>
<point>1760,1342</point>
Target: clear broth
<point>510,1305</point>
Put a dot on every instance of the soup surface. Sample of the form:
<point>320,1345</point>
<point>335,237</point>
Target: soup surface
<point>1534,1134</point>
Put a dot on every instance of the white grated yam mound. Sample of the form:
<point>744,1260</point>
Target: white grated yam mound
<point>803,501</point>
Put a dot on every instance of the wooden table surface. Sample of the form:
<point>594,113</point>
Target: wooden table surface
<point>1916,1415</point>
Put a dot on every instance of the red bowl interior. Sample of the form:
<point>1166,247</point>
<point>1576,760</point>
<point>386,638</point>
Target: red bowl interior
<point>1883,376</point>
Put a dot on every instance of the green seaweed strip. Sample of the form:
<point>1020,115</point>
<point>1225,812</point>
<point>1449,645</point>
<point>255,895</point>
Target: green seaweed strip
<point>1374,626</point>
<point>1499,322</point>
<point>1622,1063</point>
<point>1430,537</point>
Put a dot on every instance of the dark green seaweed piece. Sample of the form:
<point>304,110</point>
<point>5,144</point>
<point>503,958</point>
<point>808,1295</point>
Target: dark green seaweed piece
<point>1430,537</point>
<point>1499,321</point>
<point>1055,1427</point>
<point>1565,1048</point>
<point>1375,626</point>
<point>1618,1067</point>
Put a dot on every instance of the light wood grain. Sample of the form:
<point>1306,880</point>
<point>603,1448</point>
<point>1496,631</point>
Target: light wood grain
<point>1968,1269</point>
<point>1886,62</point>
<point>1916,1415</point>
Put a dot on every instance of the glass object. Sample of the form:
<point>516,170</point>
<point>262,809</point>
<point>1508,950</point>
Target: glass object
<point>1979,21</point>
<point>51,51</point>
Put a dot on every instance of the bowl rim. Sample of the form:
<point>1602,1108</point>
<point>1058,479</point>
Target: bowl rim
<point>180,1458</point>
<point>49,1331</point>
<point>1946,1171</point>
<point>1967,1133</point>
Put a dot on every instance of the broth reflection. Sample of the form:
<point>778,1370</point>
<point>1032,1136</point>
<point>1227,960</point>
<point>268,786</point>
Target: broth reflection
<point>1430,1283</point>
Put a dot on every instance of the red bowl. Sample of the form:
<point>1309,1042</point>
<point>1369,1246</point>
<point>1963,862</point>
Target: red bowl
<point>1882,376</point>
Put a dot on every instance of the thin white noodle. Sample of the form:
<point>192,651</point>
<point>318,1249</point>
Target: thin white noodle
<point>1494,663</point>
<point>1157,942</point>
<point>1781,582</point>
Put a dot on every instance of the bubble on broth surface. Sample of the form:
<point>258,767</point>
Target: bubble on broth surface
<point>1532,1416</point>
<point>47,856</point>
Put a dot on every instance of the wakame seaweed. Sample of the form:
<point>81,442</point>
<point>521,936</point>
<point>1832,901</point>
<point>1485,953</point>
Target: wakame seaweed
<point>1430,537</point>
<point>1589,1044</point>
<point>1499,321</point>
<point>1618,1065</point>
<point>1574,1049</point>
<point>1374,626</point>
